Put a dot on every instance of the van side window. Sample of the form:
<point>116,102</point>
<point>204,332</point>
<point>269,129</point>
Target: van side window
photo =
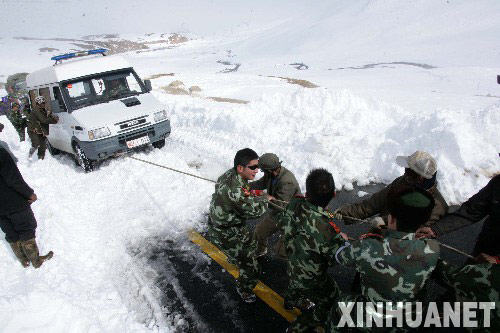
<point>78,90</point>
<point>58,98</point>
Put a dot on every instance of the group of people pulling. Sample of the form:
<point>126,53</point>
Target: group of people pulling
<point>393,262</point>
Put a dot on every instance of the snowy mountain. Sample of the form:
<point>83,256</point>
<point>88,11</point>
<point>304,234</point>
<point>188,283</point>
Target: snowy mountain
<point>345,85</point>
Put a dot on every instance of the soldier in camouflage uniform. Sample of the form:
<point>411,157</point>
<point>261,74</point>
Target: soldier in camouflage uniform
<point>18,120</point>
<point>280,183</point>
<point>474,283</point>
<point>420,171</point>
<point>16,90</point>
<point>232,204</point>
<point>393,264</point>
<point>311,239</point>
<point>38,127</point>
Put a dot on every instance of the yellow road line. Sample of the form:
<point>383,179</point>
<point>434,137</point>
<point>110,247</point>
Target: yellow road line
<point>266,294</point>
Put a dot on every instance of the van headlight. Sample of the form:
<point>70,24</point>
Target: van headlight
<point>99,133</point>
<point>159,116</point>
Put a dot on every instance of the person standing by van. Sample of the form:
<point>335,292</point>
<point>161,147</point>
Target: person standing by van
<point>38,126</point>
<point>16,217</point>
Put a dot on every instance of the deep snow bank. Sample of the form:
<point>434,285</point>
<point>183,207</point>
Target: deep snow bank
<point>355,137</point>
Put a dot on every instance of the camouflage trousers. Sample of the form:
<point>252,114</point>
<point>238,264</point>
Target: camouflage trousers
<point>237,243</point>
<point>323,297</point>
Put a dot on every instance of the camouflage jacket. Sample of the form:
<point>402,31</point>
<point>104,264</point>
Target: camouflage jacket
<point>283,187</point>
<point>39,120</point>
<point>474,283</point>
<point>231,203</point>
<point>17,118</point>
<point>394,265</point>
<point>311,240</point>
<point>377,204</point>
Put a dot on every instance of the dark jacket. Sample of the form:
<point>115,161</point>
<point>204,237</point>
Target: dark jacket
<point>377,204</point>
<point>39,120</point>
<point>14,192</point>
<point>283,187</point>
<point>483,204</point>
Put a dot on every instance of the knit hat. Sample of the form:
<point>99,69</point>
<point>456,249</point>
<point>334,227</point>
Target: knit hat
<point>269,161</point>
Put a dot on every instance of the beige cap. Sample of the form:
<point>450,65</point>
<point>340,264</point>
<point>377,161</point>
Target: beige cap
<point>421,162</point>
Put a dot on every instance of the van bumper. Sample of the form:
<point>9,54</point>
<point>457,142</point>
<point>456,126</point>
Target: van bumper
<point>102,149</point>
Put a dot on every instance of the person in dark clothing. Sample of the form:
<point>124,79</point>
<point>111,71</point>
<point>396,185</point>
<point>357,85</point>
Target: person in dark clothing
<point>16,217</point>
<point>484,204</point>
<point>38,127</point>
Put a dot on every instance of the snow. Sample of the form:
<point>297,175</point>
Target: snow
<point>393,77</point>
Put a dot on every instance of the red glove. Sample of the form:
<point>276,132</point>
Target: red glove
<point>257,193</point>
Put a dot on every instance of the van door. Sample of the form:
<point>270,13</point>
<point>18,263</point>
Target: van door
<point>60,134</point>
<point>52,137</point>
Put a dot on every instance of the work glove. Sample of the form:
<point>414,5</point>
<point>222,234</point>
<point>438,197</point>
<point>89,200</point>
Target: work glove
<point>257,193</point>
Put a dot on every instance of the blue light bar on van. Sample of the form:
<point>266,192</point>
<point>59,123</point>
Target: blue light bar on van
<point>78,54</point>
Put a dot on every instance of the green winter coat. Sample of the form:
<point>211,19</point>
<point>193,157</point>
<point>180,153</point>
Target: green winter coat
<point>283,187</point>
<point>377,204</point>
<point>38,121</point>
<point>231,205</point>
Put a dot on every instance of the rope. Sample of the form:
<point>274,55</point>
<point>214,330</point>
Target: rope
<point>456,250</point>
<point>172,169</point>
<point>286,202</point>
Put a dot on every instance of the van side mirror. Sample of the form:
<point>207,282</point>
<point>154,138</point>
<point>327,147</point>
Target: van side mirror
<point>147,83</point>
<point>498,79</point>
<point>54,106</point>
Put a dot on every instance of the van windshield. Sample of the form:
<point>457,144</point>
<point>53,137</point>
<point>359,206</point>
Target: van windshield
<point>102,88</point>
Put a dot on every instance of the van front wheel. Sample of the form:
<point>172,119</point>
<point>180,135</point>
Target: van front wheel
<point>81,159</point>
<point>159,144</point>
<point>53,151</point>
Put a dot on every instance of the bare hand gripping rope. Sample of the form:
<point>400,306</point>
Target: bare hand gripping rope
<point>330,215</point>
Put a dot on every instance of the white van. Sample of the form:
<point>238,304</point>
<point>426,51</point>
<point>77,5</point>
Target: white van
<point>104,108</point>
